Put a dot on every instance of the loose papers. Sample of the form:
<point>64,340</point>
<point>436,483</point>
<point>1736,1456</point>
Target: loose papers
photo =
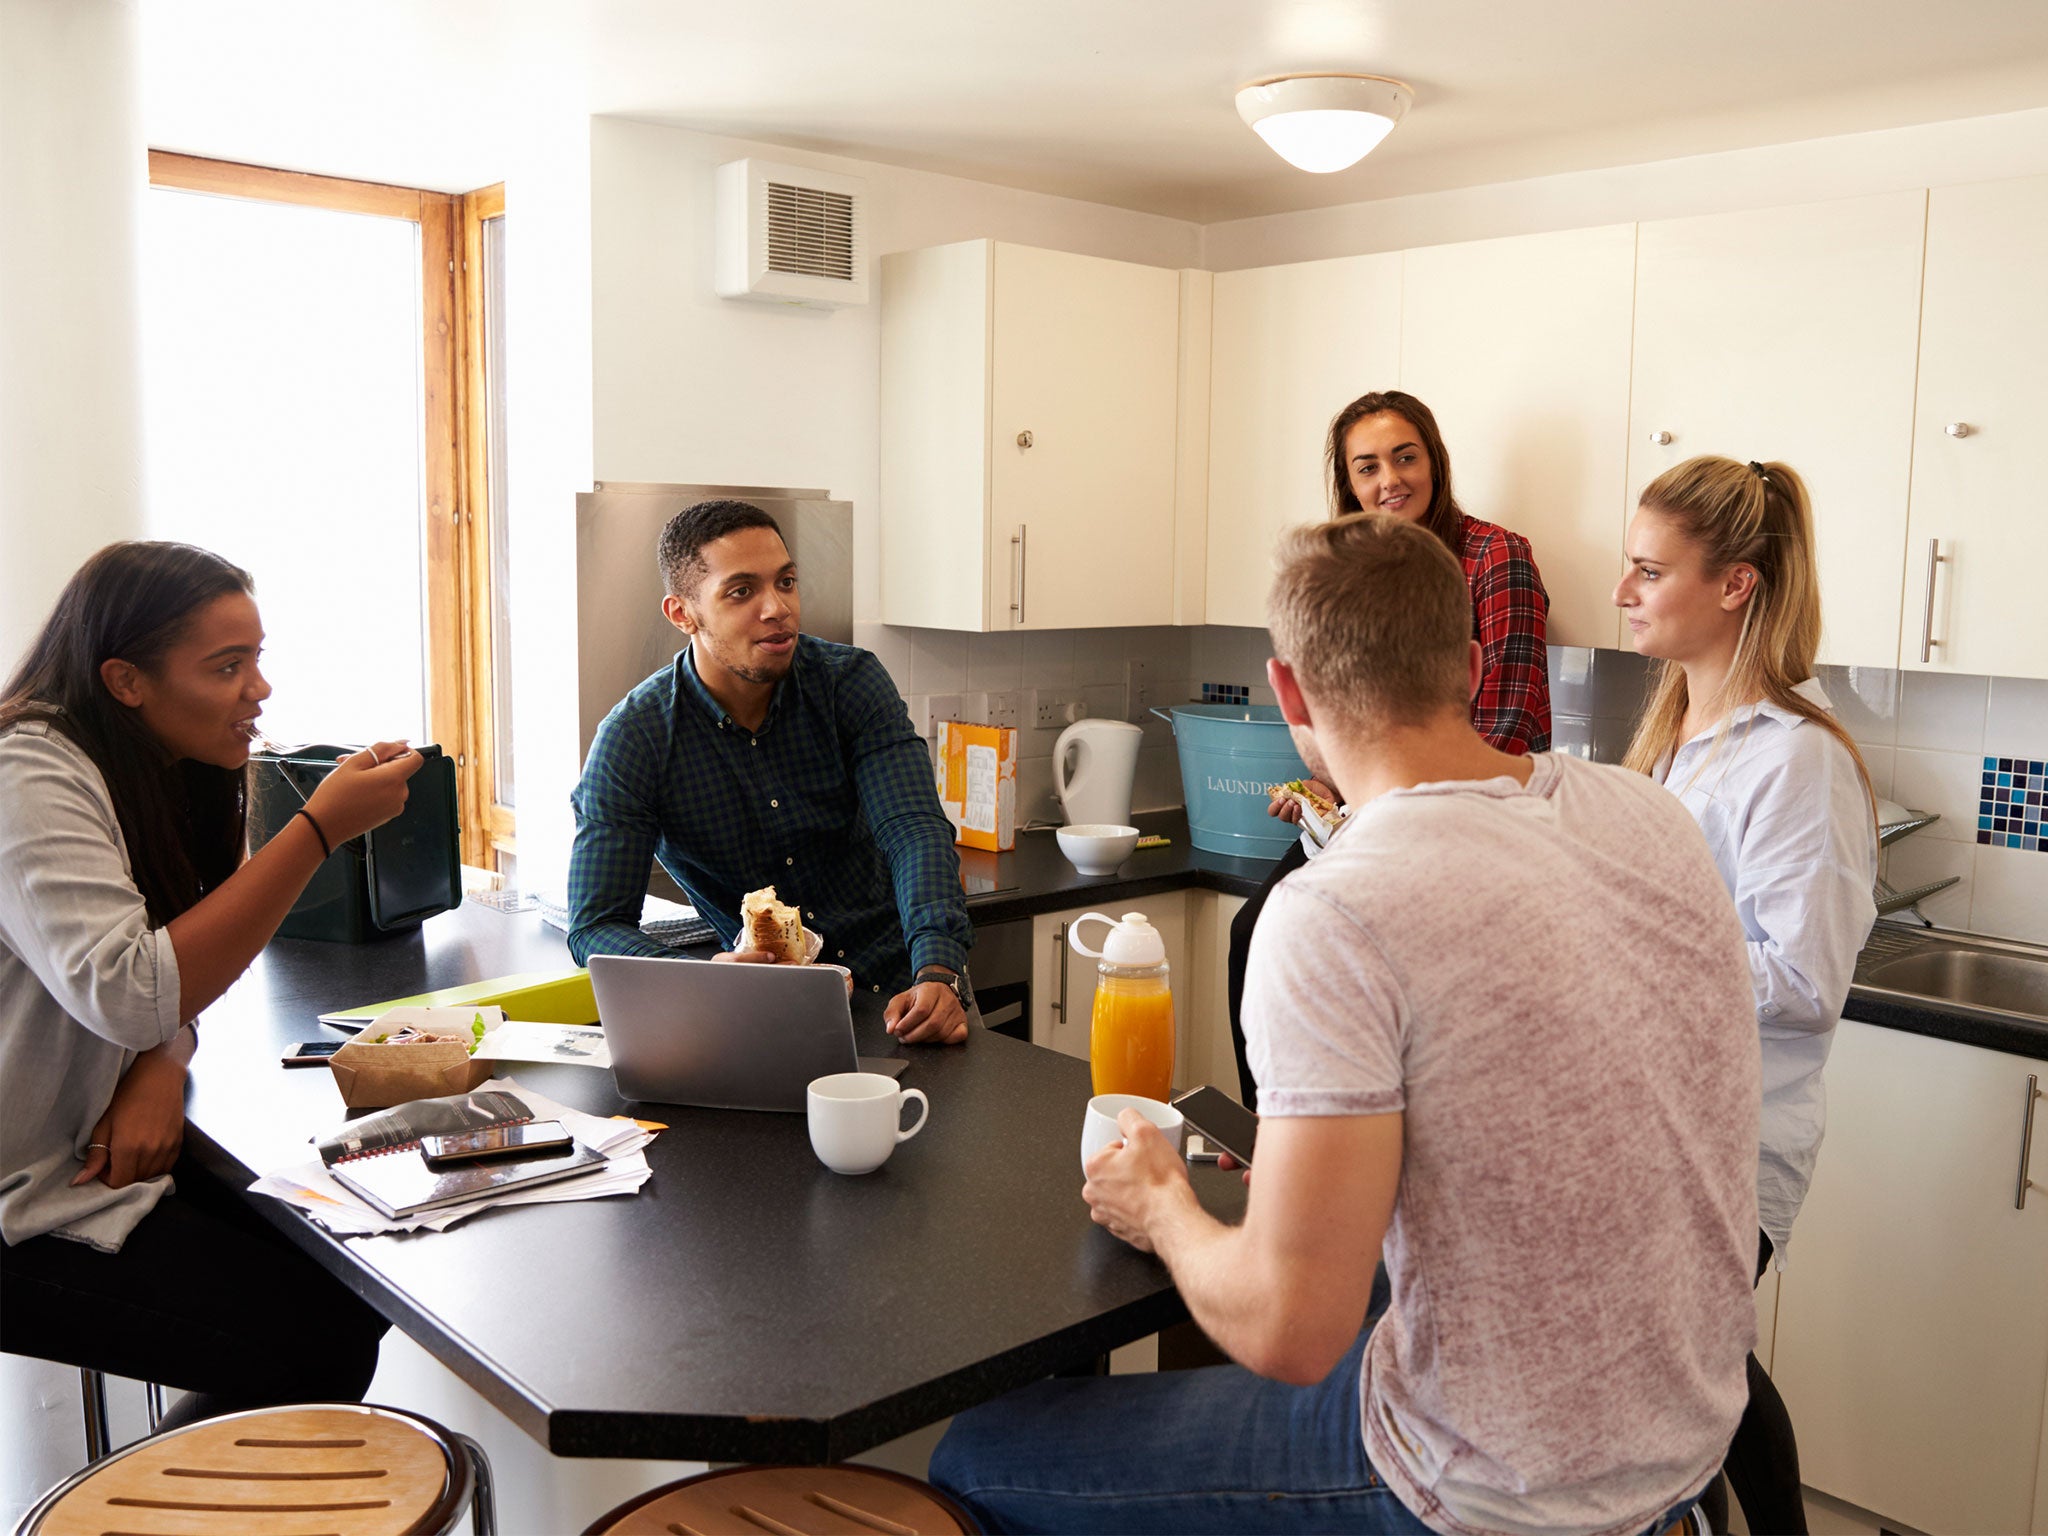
<point>313,1189</point>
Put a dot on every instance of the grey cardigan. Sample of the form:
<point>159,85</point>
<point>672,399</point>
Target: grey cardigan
<point>85,985</point>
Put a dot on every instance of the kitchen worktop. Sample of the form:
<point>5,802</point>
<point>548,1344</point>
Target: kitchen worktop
<point>1036,877</point>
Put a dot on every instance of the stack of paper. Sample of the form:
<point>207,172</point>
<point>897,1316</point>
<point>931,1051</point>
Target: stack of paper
<point>314,1190</point>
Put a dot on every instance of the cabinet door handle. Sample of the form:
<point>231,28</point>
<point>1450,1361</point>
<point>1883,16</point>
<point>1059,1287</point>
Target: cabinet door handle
<point>2019,1202</point>
<point>1017,575</point>
<point>1059,996</point>
<point>1927,640</point>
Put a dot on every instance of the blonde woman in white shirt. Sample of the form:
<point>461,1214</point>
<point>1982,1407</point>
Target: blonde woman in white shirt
<point>1720,586</point>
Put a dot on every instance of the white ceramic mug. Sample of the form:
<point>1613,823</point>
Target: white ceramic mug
<point>1099,1128</point>
<point>856,1118</point>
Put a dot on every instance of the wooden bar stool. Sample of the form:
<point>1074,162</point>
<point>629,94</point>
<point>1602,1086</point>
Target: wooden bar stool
<point>789,1501</point>
<point>354,1470</point>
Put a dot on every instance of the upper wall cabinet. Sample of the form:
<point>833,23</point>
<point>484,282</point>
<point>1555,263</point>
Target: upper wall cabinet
<point>1290,346</point>
<point>1520,348</point>
<point>1027,439</point>
<point>1790,334</point>
<point>1980,457</point>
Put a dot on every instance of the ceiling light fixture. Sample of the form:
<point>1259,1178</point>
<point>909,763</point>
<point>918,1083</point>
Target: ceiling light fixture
<point>1323,123</point>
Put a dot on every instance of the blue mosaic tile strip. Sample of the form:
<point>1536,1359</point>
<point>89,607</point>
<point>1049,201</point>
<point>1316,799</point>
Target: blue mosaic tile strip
<point>2010,804</point>
<point>1225,693</point>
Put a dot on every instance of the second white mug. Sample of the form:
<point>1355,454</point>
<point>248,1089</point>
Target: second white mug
<point>856,1119</point>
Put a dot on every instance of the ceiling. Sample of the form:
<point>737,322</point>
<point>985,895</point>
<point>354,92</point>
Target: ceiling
<point>1127,102</point>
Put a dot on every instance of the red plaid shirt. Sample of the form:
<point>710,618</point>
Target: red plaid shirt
<point>1512,708</point>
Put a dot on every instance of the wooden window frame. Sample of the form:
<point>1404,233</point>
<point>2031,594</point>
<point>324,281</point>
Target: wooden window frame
<point>452,481</point>
<point>495,823</point>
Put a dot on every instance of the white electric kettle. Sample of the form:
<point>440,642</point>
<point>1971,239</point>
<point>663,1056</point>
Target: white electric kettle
<point>1093,764</point>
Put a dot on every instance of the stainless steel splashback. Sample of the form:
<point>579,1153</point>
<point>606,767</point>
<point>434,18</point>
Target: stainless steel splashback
<point>621,635</point>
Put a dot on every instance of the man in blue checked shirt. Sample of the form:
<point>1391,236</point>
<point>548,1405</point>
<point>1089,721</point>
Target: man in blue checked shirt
<point>763,756</point>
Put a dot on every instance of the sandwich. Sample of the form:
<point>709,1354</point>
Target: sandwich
<point>1298,789</point>
<point>771,925</point>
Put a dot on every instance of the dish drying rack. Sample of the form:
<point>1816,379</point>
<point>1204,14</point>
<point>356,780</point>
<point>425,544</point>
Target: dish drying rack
<point>1890,899</point>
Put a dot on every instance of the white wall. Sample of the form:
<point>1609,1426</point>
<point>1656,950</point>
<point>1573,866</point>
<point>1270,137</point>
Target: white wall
<point>691,387</point>
<point>548,388</point>
<point>72,171</point>
<point>1932,154</point>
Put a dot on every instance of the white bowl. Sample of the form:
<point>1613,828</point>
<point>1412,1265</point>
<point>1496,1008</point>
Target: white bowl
<point>1095,849</point>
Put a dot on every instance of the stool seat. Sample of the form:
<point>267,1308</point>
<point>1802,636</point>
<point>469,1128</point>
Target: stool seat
<point>345,1469</point>
<point>789,1501</point>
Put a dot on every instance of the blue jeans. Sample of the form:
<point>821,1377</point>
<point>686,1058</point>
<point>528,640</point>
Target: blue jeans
<point>1217,1449</point>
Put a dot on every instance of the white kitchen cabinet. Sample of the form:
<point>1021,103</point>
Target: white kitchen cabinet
<point>1290,346</point>
<point>1912,1331</point>
<point>1028,434</point>
<point>1520,347</point>
<point>1063,983</point>
<point>1790,333</point>
<point>1980,459</point>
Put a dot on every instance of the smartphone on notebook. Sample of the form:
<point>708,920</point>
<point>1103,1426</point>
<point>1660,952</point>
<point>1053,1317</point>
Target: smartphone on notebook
<point>532,1139</point>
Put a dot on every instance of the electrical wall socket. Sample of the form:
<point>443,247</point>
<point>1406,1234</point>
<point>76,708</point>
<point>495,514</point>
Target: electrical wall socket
<point>1054,708</point>
<point>940,706</point>
<point>1137,689</point>
<point>1002,707</point>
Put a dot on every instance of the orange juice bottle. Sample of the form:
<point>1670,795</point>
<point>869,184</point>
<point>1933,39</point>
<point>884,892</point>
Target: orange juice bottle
<point>1130,1043</point>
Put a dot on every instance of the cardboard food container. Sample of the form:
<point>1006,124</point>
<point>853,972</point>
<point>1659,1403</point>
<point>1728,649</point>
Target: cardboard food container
<point>373,1075</point>
<point>976,769</point>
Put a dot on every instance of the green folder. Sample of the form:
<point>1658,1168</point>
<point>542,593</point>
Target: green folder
<point>545,997</point>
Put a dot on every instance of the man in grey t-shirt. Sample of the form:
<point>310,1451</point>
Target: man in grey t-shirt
<point>1502,1026</point>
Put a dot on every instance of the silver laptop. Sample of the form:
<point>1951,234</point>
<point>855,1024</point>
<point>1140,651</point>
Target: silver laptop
<point>724,1036</point>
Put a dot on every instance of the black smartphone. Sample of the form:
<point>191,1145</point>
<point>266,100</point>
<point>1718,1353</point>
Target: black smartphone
<point>530,1140</point>
<point>313,1053</point>
<point>1221,1121</point>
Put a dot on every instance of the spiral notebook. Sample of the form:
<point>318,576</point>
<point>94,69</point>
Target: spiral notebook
<point>378,1157</point>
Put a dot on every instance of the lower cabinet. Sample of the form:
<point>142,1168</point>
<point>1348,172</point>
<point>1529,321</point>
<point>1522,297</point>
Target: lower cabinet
<point>1912,1323</point>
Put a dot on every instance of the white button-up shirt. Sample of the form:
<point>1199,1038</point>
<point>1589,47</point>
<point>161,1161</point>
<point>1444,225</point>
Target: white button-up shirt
<point>1785,814</point>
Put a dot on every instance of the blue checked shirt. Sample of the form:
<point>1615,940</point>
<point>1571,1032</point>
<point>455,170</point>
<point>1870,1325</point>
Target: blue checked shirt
<point>832,802</point>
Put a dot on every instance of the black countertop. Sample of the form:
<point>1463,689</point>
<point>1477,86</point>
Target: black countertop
<point>746,1304</point>
<point>1037,878</point>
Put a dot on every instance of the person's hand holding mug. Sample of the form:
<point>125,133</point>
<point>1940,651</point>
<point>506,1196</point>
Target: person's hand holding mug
<point>365,790</point>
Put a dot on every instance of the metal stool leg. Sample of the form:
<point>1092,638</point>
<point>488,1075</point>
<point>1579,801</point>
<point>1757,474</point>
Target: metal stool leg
<point>153,1394</point>
<point>93,1390</point>
<point>483,1503</point>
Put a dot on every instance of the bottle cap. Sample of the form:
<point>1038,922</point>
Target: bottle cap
<point>1133,941</point>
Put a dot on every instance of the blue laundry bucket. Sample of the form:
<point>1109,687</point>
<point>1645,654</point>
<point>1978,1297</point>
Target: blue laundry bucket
<point>1229,753</point>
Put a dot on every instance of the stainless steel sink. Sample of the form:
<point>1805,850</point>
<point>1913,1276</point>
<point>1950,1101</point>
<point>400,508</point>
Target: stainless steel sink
<point>2009,983</point>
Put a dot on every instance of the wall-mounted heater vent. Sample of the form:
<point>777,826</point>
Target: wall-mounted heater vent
<point>788,235</point>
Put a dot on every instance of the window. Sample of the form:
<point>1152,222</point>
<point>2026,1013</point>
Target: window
<point>312,412</point>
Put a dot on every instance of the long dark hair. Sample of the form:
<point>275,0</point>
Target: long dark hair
<point>1443,515</point>
<point>185,822</point>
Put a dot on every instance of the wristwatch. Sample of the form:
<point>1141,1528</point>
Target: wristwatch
<point>955,981</point>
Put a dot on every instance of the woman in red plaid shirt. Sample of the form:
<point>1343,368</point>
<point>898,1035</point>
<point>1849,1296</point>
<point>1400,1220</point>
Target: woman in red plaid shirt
<point>1385,454</point>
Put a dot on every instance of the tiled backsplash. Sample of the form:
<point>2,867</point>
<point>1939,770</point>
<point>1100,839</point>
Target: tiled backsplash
<point>1116,673</point>
<point>1925,736</point>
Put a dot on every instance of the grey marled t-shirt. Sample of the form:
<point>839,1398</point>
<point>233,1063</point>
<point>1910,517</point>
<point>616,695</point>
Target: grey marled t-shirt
<point>1548,981</point>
